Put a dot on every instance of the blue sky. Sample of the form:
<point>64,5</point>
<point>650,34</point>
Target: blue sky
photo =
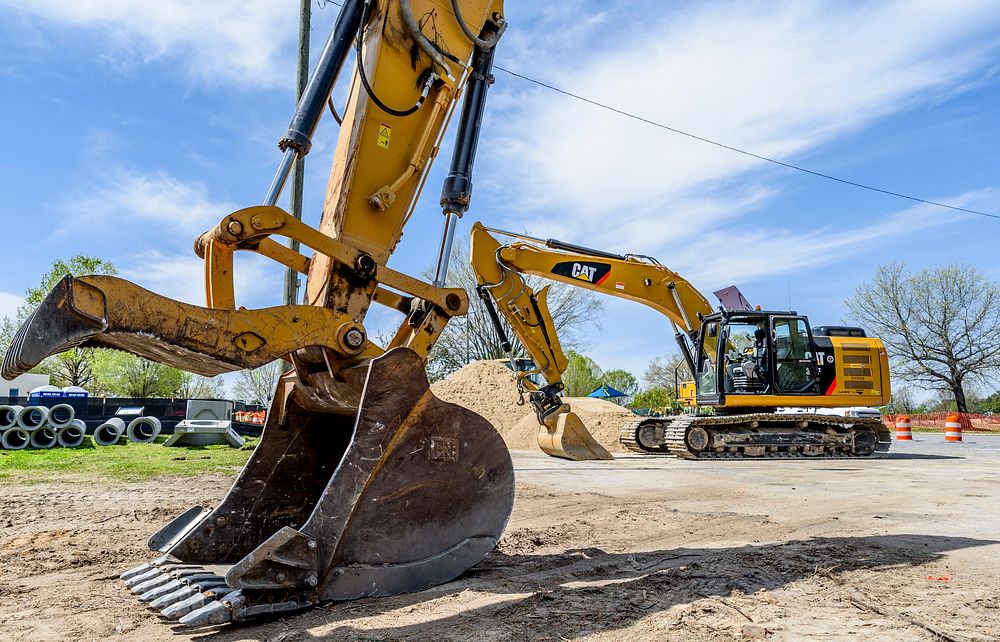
<point>131,127</point>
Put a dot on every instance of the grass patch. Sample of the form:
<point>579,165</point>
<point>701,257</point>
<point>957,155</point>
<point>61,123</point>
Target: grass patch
<point>125,461</point>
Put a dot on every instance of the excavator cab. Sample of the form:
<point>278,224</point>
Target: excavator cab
<point>754,353</point>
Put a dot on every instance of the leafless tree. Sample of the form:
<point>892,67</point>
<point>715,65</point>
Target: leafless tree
<point>192,386</point>
<point>474,338</point>
<point>660,371</point>
<point>941,327</point>
<point>258,385</point>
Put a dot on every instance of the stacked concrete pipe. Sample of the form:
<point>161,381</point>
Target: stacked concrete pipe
<point>43,437</point>
<point>143,430</point>
<point>108,433</point>
<point>32,417</point>
<point>61,415</point>
<point>8,416</point>
<point>15,438</point>
<point>72,435</point>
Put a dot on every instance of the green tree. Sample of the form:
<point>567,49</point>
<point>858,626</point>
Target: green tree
<point>658,400</point>
<point>120,374</point>
<point>623,381</point>
<point>941,327</point>
<point>582,375</point>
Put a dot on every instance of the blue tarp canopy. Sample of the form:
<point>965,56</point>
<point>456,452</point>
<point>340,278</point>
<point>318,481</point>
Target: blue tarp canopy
<point>607,392</point>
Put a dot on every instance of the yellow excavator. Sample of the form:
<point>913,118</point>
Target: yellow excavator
<point>363,483</point>
<point>747,363</point>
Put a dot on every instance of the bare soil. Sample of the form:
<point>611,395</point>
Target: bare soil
<point>639,548</point>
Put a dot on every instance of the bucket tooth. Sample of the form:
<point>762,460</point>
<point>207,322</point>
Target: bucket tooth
<point>212,614</point>
<point>143,568</point>
<point>143,577</point>
<point>171,598</point>
<point>143,587</point>
<point>160,591</point>
<point>180,609</point>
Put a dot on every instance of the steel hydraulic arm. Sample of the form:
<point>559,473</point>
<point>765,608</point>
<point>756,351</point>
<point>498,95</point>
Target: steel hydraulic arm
<point>364,483</point>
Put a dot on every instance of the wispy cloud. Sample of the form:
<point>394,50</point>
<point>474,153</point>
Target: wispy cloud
<point>182,277</point>
<point>236,42</point>
<point>151,200</point>
<point>780,79</point>
<point>9,303</point>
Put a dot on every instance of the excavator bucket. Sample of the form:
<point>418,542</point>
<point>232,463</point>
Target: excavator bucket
<point>366,486</point>
<point>407,494</point>
<point>569,438</point>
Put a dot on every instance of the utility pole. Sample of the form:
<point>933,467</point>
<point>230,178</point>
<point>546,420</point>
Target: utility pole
<point>291,290</point>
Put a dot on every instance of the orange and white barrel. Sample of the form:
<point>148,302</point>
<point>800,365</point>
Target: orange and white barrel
<point>952,427</point>
<point>903,432</point>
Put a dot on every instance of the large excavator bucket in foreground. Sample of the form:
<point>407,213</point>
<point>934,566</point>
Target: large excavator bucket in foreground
<point>406,495</point>
<point>568,437</point>
<point>368,485</point>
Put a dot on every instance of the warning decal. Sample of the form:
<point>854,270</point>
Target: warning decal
<point>384,134</point>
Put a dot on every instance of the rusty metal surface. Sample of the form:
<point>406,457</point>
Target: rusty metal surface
<point>409,494</point>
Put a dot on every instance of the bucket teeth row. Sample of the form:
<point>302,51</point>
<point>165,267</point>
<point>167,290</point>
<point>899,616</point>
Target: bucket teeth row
<point>181,591</point>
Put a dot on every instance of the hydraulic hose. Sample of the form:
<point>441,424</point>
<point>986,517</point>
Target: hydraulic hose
<point>420,38</point>
<point>479,42</point>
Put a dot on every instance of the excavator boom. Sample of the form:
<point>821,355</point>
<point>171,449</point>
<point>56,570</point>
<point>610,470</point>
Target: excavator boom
<point>363,483</point>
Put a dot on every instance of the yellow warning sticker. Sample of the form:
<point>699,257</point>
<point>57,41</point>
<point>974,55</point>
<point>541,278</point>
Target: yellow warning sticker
<point>384,134</point>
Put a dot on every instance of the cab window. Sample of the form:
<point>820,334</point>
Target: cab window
<point>708,373</point>
<point>796,371</point>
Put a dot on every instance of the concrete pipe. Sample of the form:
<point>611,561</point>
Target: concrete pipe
<point>32,417</point>
<point>143,430</point>
<point>44,437</point>
<point>8,416</point>
<point>108,433</point>
<point>15,439</point>
<point>61,415</point>
<point>72,435</point>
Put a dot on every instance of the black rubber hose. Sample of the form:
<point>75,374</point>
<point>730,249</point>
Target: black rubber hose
<point>481,43</point>
<point>359,43</point>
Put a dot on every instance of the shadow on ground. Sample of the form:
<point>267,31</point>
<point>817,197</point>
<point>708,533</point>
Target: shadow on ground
<point>623,588</point>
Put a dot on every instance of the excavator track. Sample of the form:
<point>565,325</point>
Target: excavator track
<point>757,436</point>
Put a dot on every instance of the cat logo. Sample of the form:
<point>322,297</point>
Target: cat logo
<point>587,271</point>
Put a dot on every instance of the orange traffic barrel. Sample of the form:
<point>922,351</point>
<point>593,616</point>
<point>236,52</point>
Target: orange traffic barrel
<point>952,427</point>
<point>903,432</point>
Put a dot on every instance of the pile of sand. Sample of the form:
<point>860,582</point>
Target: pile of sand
<point>602,418</point>
<point>488,388</point>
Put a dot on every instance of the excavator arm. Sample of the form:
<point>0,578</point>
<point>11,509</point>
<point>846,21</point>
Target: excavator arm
<point>499,269</point>
<point>364,483</point>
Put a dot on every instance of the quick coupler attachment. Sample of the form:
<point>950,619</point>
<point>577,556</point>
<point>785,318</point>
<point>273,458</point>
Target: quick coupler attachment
<point>408,493</point>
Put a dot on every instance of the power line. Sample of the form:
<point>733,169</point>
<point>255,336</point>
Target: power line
<point>775,161</point>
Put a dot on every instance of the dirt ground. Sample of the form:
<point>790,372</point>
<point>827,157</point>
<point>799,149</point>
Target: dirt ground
<point>640,548</point>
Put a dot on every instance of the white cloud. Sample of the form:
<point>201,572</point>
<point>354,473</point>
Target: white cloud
<point>777,79</point>
<point>182,277</point>
<point>237,42</point>
<point>9,303</point>
<point>153,200</point>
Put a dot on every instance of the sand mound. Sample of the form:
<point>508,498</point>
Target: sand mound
<point>602,418</point>
<point>487,388</point>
